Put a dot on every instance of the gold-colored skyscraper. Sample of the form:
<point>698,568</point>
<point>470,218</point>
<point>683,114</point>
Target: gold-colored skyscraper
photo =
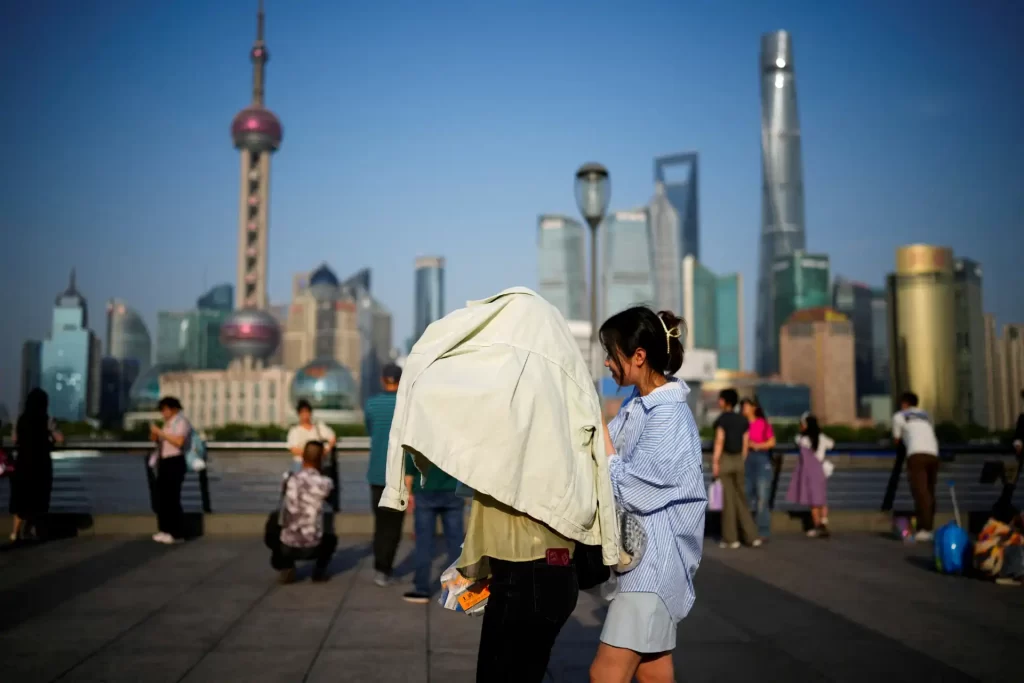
<point>922,330</point>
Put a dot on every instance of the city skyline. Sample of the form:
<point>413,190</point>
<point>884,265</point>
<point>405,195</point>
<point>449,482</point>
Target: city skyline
<point>878,144</point>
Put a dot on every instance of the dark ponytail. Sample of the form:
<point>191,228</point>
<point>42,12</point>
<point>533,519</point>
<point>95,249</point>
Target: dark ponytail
<point>813,431</point>
<point>660,335</point>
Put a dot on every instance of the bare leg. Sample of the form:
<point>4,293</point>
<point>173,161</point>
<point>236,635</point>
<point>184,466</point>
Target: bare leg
<point>816,517</point>
<point>656,669</point>
<point>614,665</point>
<point>16,530</point>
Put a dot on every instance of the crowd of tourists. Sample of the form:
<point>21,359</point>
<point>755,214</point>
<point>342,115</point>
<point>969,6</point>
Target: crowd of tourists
<point>498,413</point>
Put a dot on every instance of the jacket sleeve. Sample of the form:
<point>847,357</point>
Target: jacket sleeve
<point>658,472</point>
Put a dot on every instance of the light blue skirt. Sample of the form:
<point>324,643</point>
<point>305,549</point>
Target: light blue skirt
<point>639,622</point>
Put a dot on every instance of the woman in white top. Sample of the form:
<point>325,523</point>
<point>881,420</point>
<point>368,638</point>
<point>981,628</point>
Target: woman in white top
<point>172,440</point>
<point>306,431</point>
<point>808,486</point>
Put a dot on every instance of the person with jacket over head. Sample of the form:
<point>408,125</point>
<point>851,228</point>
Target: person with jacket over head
<point>655,462</point>
<point>35,434</point>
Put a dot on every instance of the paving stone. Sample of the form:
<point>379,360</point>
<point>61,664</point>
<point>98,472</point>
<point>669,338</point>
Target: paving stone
<point>274,665</point>
<point>379,666</point>
<point>153,667</point>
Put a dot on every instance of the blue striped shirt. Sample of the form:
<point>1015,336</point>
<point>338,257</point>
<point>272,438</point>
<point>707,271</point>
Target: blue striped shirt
<point>657,475</point>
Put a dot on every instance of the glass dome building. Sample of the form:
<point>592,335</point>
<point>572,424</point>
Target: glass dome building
<point>144,394</point>
<point>327,385</point>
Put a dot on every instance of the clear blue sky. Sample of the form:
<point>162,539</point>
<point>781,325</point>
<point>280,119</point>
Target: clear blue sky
<point>445,128</point>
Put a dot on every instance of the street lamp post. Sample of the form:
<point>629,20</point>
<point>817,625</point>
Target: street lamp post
<point>593,190</point>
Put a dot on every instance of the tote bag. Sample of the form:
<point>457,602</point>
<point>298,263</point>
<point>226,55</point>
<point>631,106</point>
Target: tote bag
<point>715,496</point>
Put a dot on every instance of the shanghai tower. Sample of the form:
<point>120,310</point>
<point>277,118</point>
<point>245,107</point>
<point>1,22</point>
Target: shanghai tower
<point>782,194</point>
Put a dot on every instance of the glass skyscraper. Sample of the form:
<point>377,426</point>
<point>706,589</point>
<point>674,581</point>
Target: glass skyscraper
<point>191,339</point>
<point>220,298</point>
<point>31,369</point>
<point>970,343</point>
<point>855,301</point>
<point>429,301</point>
<point>628,277</point>
<point>729,319</point>
<point>675,228</point>
<point>799,281</point>
<point>782,197</point>
<point>70,359</point>
<point>713,310</point>
<point>561,250</point>
<point>879,341</point>
<point>127,335</point>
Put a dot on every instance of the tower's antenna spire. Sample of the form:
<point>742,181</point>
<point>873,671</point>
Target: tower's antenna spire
<point>259,59</point>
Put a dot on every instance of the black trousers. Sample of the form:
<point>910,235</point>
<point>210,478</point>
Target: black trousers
<point>387,532</point>
<point>170,474</point>
<point>529,604</point>
<point>284,556</point>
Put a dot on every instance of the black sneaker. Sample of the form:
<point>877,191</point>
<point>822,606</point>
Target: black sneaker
<point>416,598</point>
<point>286,576</point>
<point>320,575</point>
<point>823,532</point>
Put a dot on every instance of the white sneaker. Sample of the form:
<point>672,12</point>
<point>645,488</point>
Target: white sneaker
<point>165,538</point>
<point>923,536</point>
<point>382,579</point>
<point>729,546</point>
<point>757,543</point>
<point>812,533</point>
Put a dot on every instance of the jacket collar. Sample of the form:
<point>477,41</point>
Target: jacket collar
<point>675,391</point>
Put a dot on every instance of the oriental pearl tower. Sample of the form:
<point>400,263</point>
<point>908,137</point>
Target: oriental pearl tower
<point>251,333</point>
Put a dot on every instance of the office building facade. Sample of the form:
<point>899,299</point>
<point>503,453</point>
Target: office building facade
<point>192,339</point>
<point>972,373</point>
<point>562,265</point>
<point>70,359</point>
<point>31,369</point>
<point>729,320</point>
<point>628,277</point>
<point>816,348</point>
<point>373,320</point>
<point>322,325</point>
<point>674,226</point>
<point>429,302</point>
<point>855,300</point>
<point>678,174</point>
<point>782,198</point>
<point>1004,357</point>
<point>922,329</point>
<point>799,281</point>
<point>127,335</point>
<point>880,342</point>
<point>713,311</point>
<point>220,298</point>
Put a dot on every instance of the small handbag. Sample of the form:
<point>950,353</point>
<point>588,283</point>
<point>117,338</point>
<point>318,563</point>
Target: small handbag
<point>715,496</point>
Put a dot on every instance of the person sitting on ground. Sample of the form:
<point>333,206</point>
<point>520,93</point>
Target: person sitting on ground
<point>302,524</point>
<point>913,429</point>
<point>999,551</point>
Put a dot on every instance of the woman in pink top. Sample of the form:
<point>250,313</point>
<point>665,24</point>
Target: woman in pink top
<point>759,470</point>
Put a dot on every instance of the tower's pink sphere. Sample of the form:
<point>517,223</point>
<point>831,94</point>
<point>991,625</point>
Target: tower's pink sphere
<point>250,332</point>
<point>256,129</point>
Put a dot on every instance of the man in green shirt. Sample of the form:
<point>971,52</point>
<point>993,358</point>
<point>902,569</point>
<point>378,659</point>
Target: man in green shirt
<point>387,528</point>
<point>432,495</point>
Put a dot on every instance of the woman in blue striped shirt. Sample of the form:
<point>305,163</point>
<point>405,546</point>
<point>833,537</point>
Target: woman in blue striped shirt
<point>657,476</point>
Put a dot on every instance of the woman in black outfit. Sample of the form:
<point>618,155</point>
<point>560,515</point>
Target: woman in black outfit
<point>32,481</point>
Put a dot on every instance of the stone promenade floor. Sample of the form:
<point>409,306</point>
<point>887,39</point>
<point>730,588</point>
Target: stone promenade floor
<point>854,608</point>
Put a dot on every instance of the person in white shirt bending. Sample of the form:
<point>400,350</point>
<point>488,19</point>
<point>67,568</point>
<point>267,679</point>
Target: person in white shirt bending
<point>912,428</point>
<point>306,431</point>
